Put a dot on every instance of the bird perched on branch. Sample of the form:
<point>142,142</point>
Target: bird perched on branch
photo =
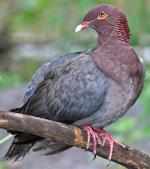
<point>89,89</point>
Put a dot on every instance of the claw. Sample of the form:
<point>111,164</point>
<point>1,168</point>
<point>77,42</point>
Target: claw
<point>108,163</point>
<point>94,157</point>
<point>101,146</point>
<point>111,140</point>
<point>95,137</point>
<point>96,140</point>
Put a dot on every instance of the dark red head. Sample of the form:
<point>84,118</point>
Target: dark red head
<point>106,19</point>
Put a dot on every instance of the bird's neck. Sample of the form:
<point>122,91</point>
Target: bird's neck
<point>118,61</point>
<point>122,30</point>
<point>114,36</point>
<point>119,31</point>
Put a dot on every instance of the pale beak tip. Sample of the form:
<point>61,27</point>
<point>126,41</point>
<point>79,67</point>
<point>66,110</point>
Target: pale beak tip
<point>78,28</point>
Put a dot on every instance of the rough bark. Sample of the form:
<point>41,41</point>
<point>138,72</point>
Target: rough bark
<point>129,157</point>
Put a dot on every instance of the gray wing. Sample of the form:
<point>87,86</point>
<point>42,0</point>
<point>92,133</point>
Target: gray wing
<point>38,77</point>
<point>70,91</point>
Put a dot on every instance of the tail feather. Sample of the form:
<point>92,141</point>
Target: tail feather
<point>50,147</point>
<point>17,151</point>
<point>23,142</point>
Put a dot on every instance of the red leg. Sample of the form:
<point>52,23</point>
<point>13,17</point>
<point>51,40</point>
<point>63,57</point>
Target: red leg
<point>96,140</point>
<point>110,139</point>
<point>91,133</point>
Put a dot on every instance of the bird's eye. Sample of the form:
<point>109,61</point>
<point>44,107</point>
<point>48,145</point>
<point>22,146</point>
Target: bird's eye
<point>102,15</point>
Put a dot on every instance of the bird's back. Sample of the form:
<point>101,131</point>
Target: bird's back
<point>70,91</point>
<point>38,77</point>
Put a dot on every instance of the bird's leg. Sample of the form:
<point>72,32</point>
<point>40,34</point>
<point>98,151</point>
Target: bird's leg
<point>95,134</point>
<point>96,140</point>
<point>110,139</point>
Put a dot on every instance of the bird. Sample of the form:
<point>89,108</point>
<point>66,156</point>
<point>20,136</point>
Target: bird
<point>89,89</point>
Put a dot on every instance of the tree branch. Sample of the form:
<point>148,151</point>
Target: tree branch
<point>129,157</point>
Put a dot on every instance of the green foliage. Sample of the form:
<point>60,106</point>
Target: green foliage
<point>8,79</point>
<point>27,67</point>
<point>24,69</point>
<point>123,129</point>
<point>128,130</point>
<point>145,98</point>
<point>3,165</point>
<point>124,125</point>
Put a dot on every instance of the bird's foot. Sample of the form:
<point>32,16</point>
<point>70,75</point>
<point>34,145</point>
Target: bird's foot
<point>110,139</point>
<point>96,134</point>
<point>96,140</point>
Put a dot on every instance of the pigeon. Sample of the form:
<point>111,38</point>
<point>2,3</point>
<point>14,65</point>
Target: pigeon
<point>89,89</point>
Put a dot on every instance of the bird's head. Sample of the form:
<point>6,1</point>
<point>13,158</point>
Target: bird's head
<point>106,19</point>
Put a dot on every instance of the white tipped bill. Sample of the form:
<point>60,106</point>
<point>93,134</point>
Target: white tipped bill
<point>78,28</point>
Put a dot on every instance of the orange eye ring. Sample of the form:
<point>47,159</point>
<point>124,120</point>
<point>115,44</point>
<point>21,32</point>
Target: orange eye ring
<point>102,15</point>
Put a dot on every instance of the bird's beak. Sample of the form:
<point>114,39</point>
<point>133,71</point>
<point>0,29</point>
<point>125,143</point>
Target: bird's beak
<point>84,25</point>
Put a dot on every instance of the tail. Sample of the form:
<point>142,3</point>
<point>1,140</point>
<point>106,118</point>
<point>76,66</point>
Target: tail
<point>17,151</point>
<point>21,144</point>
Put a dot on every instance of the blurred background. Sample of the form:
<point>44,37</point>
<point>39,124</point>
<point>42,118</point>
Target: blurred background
<point>35,31</point>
